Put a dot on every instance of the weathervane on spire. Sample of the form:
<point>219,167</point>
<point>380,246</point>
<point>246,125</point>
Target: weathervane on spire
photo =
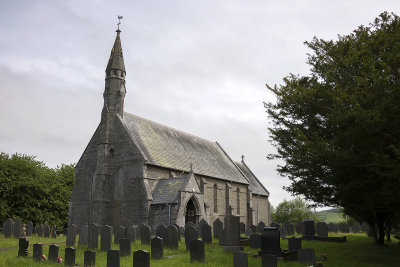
<point>119,20</point>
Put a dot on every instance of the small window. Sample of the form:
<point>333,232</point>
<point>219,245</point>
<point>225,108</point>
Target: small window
<point>115,72</point>
<point>122,74</point>
<point>238,200</point>
<point>215,198</point>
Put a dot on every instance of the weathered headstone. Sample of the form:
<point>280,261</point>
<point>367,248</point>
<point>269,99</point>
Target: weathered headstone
<point>23,247</point>
<point>93,236</point>
<point>231,233</point>
<point>270,241</point>
<point>46,230</point>
<point>125,247</point>
<point>29,229</point>
<point>40,230</point>
<point>70,256</point>
<point>255,241</point>
<point>260,227</point>
<point>217,225</point>
<point>71,235</point>
<point>253,228</point>
<point>294,243</point>
<point>157,248</point>
<point>53,253</point>
<point>119,233</point>
<point>106,238</point>
<point>17,228</point>
<point>201,223</point>
<point>197,250</point>
<point>141,258</point>
<point>309,228</point>
<point>83,235</point>
<point>113,258</point>
<point>282,232</point>
<point>344,228</point>
<point>289,228</point>
<point>240,259</point>
<point>54,231</point>
<point>356,227</point>
<point>131,233</point>
<point>89,258</point>
<point>139,233</point>
<point>306,256</point>
<point>190,234</point>
<point>269,260</point>
<point>206,233</point>
<point>242,227</point>
<point>161,231</point>
<point>221,236</point>
<point>37,251</point>
<point>322,229</point>
<point>172,237</point>
<point>179,231</point>
<point>145,235</point>
<point>248,232</point>
<point>8,228</point>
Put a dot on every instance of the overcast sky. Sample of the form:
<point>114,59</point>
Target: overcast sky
<point>198,66</point>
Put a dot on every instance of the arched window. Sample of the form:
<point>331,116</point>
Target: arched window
<point>238,200</point>
<point>215,198</point>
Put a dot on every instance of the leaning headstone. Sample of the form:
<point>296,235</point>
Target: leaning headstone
<point>23,247</point>
<point>53,253</point>
<point>306,256</point>
<point>93,236</point>
<point>344,228</point>
<point>248,232</point>
<point>260,227</point>
<point>322,229</point>
<point>8,226</point>
<point>356,227</point>
<point>71,235</point>
<point>113,258</point>
<point>201,223</point>
<point>131,233</point>
<point>37,251</point>
<point>240,259</point>
<point>282,232</point>
<point>161,231</point>
<point>190,234</point>
<point>125,247</point>
<point>119,233</point>
<point>197,250</point>
<point>242,227</point>
<point>70,256</point>
<point>157,248</point>
<point>46,230</point>
<point>54,231</point>
<point>141,258</point>
<point>300,228</point>
<point>255,241</point>
<point>289,228</point>
<point>217,225</point>
<point>83,235</point>
<point>40,230</point>
<point>106,238</point>
<point>269,260</point>
<point>29,229</point>
<point>294,243</point>
<point>172,237</point>
<point>309,228</point>
<point>17,228</point>
<point>206,233</point>
<point>145,235</point>
<point>89,258</point>
<point>270,241</point>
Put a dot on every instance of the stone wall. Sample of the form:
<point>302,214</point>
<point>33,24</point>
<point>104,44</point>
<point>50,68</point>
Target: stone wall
<point>261,209</point>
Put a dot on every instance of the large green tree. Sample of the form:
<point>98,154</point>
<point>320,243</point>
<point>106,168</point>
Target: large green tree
<point>295,210</point>
<point>337,129</point>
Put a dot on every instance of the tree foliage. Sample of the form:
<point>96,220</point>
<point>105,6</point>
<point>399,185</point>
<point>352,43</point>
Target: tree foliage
<point>338,128</point>
<point>33,192</point>
<point>293,211</point>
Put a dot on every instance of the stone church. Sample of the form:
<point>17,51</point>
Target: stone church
<point>135,170</point>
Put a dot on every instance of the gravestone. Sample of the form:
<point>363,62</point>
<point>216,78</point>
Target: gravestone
<point>197,250</point>
<point>23,247</point>
<point>242,227</point>
<point>93,236</point>
<point>131,233</point>
<point>113,258</point>
<point>309,228</point>
<point>294,243</point>
<point>171,240</point>
<point>83,235</point>
<point>89,258</point>
<point>248,232</point>
<point>255,241</point>
<point>289,228</point>
<point>141,258</point>
<point>231,233</point>
<point>161,231</point>
<point>8,228</point>
<point>119,233</point>
<point>140,225</point>
<point>365,227</point>
<point>299,227</point>
<point>260,227</point>
<point>190,234</point>
<point>40,230</point>
<point>344,228</point>
<point>217,225</point>
<point>306,256</point>
<point>71,235</point>
<point>270,241</point>
<point>29,229</point>
<point>269,260</point>
<point>54,231</point>
<point>46,230</point>
<point>240,259</point>
<point>206,233</point>
<point>201,223</point>
<point>37,251</point>
<point>276,225</point>
<point>253,228</point>
<point>157,248</point>
<point>221,236</point>
<point>145,235</point>
<point>282,232</point>
<point>179,231</point>
<point>125,247</point>
<point>17,228</point>
<point>70,256</point>
<point>332,228</point>
<point>106,238</point>
<point>53,253</point>
<point>322,229</point>
<point>356,227</point>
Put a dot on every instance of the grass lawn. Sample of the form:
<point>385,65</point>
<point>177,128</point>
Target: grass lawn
<point>357,251</point>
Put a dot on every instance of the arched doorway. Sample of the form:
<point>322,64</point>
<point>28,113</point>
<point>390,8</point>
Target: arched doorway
<point>191,214</point>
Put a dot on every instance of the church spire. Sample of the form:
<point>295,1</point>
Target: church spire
<point>116,62</point>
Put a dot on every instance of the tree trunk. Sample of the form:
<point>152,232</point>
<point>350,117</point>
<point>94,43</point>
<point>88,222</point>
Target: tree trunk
<point>381,233</point>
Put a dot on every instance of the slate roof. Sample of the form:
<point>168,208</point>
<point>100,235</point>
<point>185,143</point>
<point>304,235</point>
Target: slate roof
<point>170,148</point>
<point>167,190</point>
<point>254,184</point>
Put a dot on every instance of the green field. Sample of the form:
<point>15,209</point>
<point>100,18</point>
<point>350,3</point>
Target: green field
<point>359,250</point>
<point>330,216</point>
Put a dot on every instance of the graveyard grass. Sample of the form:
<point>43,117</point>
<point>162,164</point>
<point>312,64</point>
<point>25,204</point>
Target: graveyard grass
<point>357,251</point>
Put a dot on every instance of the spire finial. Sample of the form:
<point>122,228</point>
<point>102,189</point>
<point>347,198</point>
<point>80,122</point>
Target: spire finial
<point>242,158</point>
<point>119,22</point>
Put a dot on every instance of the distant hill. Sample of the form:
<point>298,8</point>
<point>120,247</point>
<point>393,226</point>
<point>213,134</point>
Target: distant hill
<point>329,216</point>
